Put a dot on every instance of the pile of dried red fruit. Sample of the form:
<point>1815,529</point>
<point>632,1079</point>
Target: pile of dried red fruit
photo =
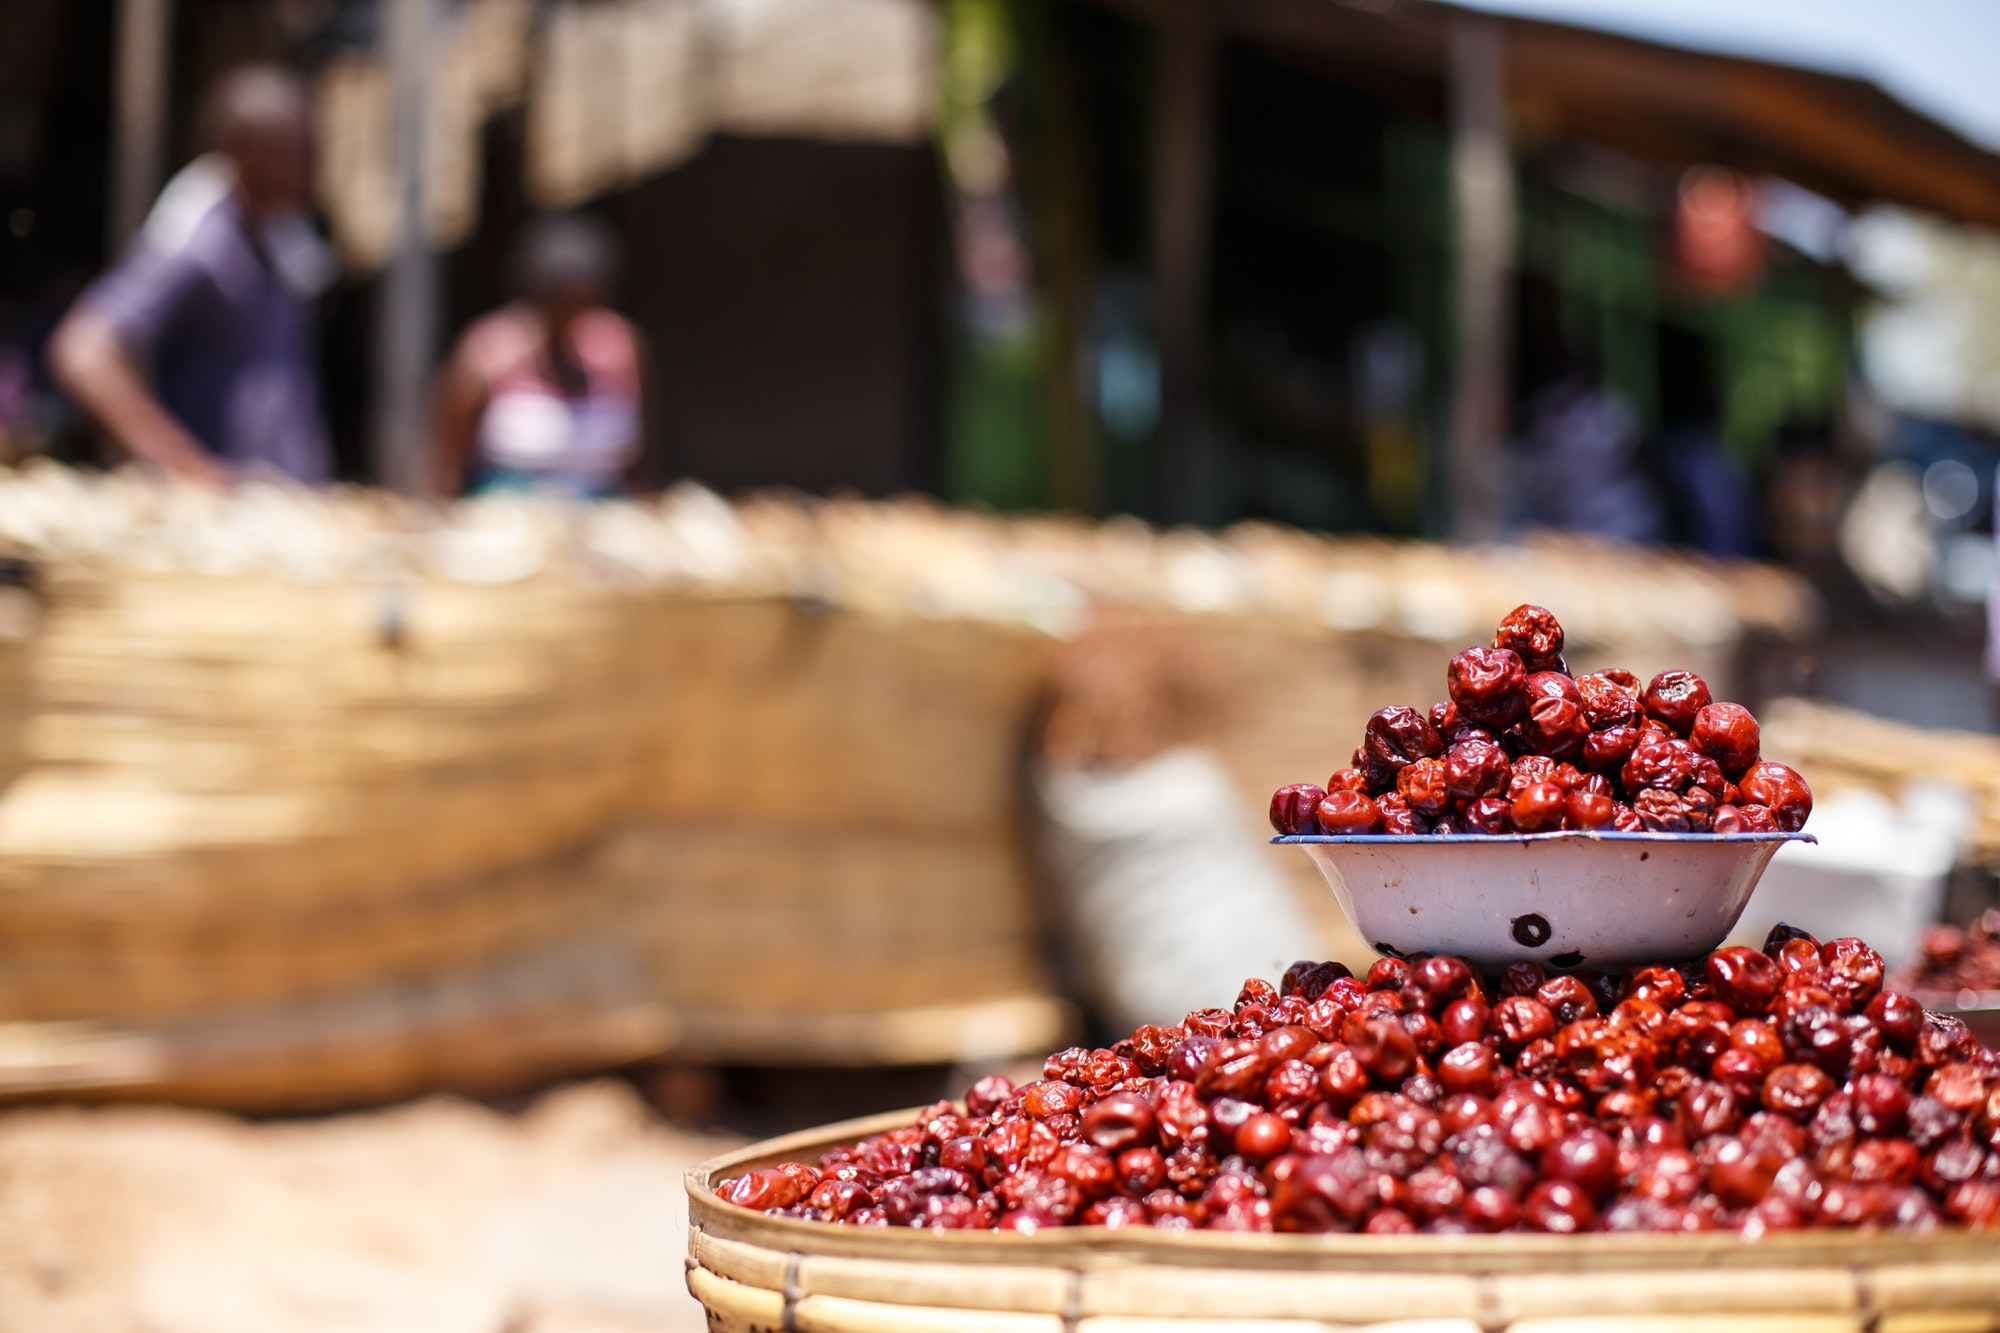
<point>1756,1090</point>
<point>1524,747</point>
<point>1955,959</point>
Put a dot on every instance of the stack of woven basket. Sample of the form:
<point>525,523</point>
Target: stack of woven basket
<point>250,794</point>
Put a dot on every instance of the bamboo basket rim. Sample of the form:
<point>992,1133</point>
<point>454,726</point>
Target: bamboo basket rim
<point>1095,1246</point>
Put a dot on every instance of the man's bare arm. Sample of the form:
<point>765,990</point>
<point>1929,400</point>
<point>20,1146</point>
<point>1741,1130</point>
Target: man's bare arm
<point>94,369</point>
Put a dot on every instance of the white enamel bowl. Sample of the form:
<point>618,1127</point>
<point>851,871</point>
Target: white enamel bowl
<point>1602,900</point>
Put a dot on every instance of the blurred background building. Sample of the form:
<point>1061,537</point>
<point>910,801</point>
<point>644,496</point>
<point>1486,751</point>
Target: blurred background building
<point>1303,261</point>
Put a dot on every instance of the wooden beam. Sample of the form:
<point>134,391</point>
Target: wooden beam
<point>1841,136</point>
<point>1483,193</point>
<point>139,132</point>
<point>1183,156</point>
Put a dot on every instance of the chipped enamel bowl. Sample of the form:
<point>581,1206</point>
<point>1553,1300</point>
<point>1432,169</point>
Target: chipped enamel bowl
<point>1603,900</point>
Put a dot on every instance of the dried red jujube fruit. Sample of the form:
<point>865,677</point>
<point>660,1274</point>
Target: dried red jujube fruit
<point>1744,819</point>
<point>1587,810</point>
<point>1295,809</point>
<point>1397,817</point>
<point>1349,813</point>
<point>1780,790</point>
<point>1534,635</point>
<point>1658,764</point>
<point>1607,702</point>
<point>1555,727</point>
<point>1475,767</point>
<point>1728,734</point>
<point>1552,685</point>
<point>1674,698</point>
<point>1662,811</point>
<point>1399,735</point>
<point>1489,686</point>
<point>1423,787</point>
<point>1539,808</point>
<point>1606,751</point>
<point>1745,979</point>
<point>1444,716</point>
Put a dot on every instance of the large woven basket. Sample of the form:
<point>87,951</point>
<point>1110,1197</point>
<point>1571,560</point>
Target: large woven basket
<point>757,1273</point>
<point>283,846</point>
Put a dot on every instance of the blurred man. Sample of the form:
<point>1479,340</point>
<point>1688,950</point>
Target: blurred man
<point>547,392</point>
<point>195,353</point>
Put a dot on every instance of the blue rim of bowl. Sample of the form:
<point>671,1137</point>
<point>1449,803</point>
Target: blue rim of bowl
<point>1578,835</point>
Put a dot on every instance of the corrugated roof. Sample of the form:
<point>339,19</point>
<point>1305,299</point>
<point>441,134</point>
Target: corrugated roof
<point>1841,136</point>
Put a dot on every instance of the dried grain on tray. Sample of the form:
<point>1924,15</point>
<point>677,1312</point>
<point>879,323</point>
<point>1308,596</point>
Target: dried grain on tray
<point>906,557</point>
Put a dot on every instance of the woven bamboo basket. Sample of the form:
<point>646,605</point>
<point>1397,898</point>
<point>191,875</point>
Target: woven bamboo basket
<point>1841,747</point>
<point>215,820</point>
<point>285,845</point>
<point>766,1274</point>
<point>251,792</point>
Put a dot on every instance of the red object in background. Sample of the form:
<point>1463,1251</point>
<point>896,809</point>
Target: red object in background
<point>1717,246</point>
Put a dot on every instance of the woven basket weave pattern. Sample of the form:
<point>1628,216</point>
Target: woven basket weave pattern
<point>754,1272</point>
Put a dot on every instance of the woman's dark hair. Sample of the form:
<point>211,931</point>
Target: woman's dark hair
<point>566,254</point>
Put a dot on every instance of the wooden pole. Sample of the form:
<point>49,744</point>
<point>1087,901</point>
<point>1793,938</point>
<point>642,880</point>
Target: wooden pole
<point>407,304</point>
<point>1070,242</point>
<point>1183,153</point>
<point>139,133</point>
<point>1483,189</point>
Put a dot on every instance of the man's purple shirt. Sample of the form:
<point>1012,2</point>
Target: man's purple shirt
<point>229,346</point>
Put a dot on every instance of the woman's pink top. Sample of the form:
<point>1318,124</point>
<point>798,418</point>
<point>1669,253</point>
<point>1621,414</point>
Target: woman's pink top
<point>585,432</point>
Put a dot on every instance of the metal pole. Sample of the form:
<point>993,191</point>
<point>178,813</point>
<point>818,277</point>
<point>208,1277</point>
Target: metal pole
<point>1483,189</point>
<point>1183,171</point>
<point>407,304</point>
<point>139,92</point>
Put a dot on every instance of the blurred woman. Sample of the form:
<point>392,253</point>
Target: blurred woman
<point>548,392</point>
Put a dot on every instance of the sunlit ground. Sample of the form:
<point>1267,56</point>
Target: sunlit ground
<point>440,1216</point>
